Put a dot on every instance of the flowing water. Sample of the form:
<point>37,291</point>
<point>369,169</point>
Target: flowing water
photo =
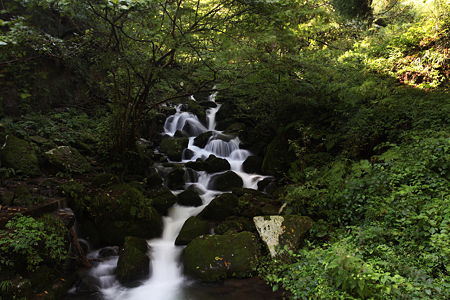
<point>167,281</point>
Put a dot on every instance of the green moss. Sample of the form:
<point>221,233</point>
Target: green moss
<point>192,228</point>
<point>19,155</point>
<point>132,265</point>
<point>220,208</point>
<point>68,159</point>
<point>104,180</point>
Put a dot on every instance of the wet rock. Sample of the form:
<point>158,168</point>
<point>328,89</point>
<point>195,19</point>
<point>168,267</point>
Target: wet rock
<point>215,164</point>
<point>235,128</point>
<point>192,228</point>
<point>207,104</point>
<point>223,124</point>
<point>189,198</point>
<point>87,286</point>
<point>216,257</point>
<point>225,182</point>
<point>133,264</point>
<point>162,198</point>
<point>252,165</point>
<point>196,165</point>
<point>202,139</point>
<point>174,147</point>
<point>229,226</point>
<point>67,159</point>
<point>153,180</point>
<point>220,208</point>
<point>168,111</point>
<point>176,177</point>
<point>198,110</point>
<point>19,155</point>
<point>280,231</point>
<point>108,251</point>
<point>262,184</point>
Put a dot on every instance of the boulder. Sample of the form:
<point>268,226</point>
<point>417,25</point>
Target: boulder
<point>153,180</point>
<point>175,179</point>
<point>104,180</point>
<point>19,155</point>
<point>213,258</point>
<point>220,208</point>
<point>174,147</point>
<point>67,159</point>
<point>202,139</point>
<point>280,231</point>
<point>162,198</point>
<point>242,191</point>
<point>198,110</point>
<point>252,165</point>
<point>207,104</point>
<point>223,124</point>
<point>120,211</point>
<point>235,128</point>
<point>196,165</point>
<point>189,198</point>
<point>192,228</point>
<point>229,226</point>
<point>226,181</point>
<point>226,110</point>
<point>133,264</point>
<point>215,164</point>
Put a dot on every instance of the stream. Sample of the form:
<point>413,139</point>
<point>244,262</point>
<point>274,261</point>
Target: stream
<point>167,281</point>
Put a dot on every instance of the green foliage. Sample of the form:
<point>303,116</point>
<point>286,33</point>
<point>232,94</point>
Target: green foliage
<point>26,237</point>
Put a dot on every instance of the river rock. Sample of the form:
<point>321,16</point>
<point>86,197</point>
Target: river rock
<point>67,159</point>
<point>213,258</point>
<point>162,198</point>
<point>235,128</point>
<point>229,226</point>
<point>220,208</point>
<point>153,180</point>
<point>174,147</point>
<point>19,155</point>
<point>223,124</point>
<point>252,165</point>
<point>120,211</point>
<point>175,178</point>
<point>226,181</point>
<point>202,139</point>
<point>189,198</point>
<point>192,228</point>
<point>198,110</point>
<point>215,164</point>
<point>133,264</point>
<point>280,231</point>
<point>196,165</point>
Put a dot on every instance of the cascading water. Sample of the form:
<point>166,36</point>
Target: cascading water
<point>167,281</point>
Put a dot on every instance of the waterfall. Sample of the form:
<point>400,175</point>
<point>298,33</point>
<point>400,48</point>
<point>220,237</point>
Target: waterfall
<point>167,281</point>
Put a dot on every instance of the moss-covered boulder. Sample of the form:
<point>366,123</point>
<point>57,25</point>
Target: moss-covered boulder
<point>19,155</point>
<point>198,110</point>
<point>223,124</point>
<point>235,128</point>
<point>67,159</point>
<point>196,165</point>
<point>226,181</point>
<point>44,144</point>
<point>133,264</point>
<point>120,211</point>
<point>162,198</point>
<point>229,226</point>
<point>280,231</point>
<point>174,147</point>
<point>192,228</point>
<point>220,208</point>
<point>202,139</point>
<point>216,257</point>
<point>189,198</point>
<point>104,180</point>
<point>176,177</point>
<point>153,180</point>
<point>216,164</point>
<point>252,164</point>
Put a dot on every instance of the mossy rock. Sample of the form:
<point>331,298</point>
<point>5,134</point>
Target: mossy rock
<point>77,195</point>
<point>44,144</point>
<point>153,180</point>
<point>22,196</point>
<point>140,186</point>
<point>67,159</point>
<point>136,242</point>
<point>216,164</point>
<point>189,198</point>
<point>226,110</point>
<point>252,165</point>
<point>202,139</point>
<point>220,208</point>
<point>223,124</point>
<point>198,110</point>
<point>168,111</point>
<point>175,179</point>
<point>242,191</point>
<point>132,265</point>
<point>192,228</point>
<point>229,226</point>
<point>19,155</point>
<point>104,180</point>
<point>196,165</point>
<point>213,258</point>
<point>162,198</point>
<point>279,232</point>
<point>235,128</point>
<point>226,181</point>
<point>174,147</point>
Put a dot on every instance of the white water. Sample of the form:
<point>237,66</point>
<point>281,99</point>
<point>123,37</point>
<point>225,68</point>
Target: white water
<point>167,281</point>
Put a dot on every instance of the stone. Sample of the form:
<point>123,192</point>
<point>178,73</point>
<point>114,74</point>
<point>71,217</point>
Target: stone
<point>280,231</point>
<point>7,198</point>
<point>174,147</point>
<point>104,180</point>
<point>220,208</point>
<point>225,182</point>
<point>235,128</point>
<point>133,264</point>
<point>196,165</point>
<point>252,165</point>
<point>215,164</point>
<point>212,258</point>
<point>189,198</point>
<point>18,155</point>
<point>67,159</point>
<point>162,198</point>
<point>242,191</point>
<point>176,177</point>
<point>198,110</point>
<point>202,139</point>
<point>229,226</point>
<point>192,228</point>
